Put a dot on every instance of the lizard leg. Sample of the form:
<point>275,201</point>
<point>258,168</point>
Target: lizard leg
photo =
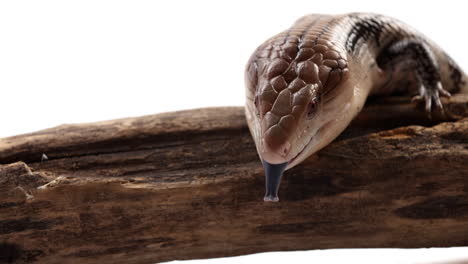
<point>417,53</point>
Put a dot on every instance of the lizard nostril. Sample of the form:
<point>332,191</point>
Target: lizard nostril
<point>286,148</point>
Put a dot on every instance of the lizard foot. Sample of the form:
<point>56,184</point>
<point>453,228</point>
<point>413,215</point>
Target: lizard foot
<point>431,98</point>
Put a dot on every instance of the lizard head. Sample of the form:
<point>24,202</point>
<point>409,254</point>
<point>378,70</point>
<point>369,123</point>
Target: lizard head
<point>293,107</point>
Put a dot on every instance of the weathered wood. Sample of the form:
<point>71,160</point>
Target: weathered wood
<point>189,184</point>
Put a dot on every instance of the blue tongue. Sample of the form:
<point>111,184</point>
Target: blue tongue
<point>273,173</point>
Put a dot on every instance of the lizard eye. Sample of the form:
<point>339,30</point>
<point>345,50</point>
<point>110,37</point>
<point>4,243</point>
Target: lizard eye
<point>312,108</point>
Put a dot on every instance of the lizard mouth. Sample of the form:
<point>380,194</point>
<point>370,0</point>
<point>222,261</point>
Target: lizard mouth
<point>300,152</point>
<point>318,133</point>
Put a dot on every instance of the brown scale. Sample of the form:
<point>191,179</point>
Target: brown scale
<point>295,67</point>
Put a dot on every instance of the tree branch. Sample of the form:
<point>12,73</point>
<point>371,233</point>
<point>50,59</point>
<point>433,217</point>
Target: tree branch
<point>189,184</point>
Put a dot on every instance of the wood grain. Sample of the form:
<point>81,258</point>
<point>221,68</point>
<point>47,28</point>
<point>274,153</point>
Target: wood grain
<point>189,184</point>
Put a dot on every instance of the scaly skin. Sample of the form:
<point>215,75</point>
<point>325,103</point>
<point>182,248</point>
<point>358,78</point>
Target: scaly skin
<point>306,84</point>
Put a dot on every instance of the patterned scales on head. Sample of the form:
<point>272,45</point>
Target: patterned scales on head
<point>288,78</point>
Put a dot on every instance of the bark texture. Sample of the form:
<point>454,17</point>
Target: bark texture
<point>189,184</point>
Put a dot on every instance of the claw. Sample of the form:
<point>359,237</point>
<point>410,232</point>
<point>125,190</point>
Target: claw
<point>438,104</point>
<point>416,99</point>
<point>445,93</point>
<point>428,100</point>
<point>442,91</point>
<point>431,98</point>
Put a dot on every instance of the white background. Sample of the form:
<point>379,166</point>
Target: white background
<point>82,61</point>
